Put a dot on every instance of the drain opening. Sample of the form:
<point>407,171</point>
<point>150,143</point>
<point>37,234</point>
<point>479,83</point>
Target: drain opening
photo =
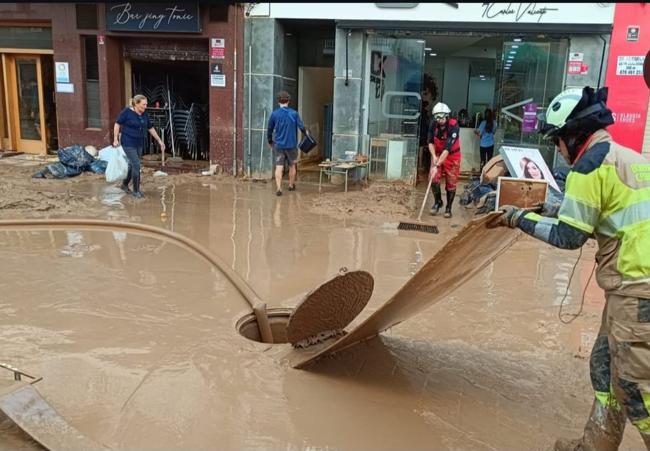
<point>278,320</point>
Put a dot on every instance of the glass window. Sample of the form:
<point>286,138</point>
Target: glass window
<point>533,73</point>
<point>394,105</point>
<point>91,76</point>
<point>86,16</point>
<point>26,37</point>
<point>29,107</point>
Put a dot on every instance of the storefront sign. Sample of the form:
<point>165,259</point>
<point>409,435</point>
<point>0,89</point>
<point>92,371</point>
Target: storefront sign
<point>217,77</point>
<point>633,33</point>
<point>628,94</point>
<point>65,87</point>
<point>180,17</point>
<point>217,48</point>
<point>529,124</point>
<point>62,72</point>
<point>507,13</point>
<point>516,11</point>
<point>101,39</point>
<point>629,65</point>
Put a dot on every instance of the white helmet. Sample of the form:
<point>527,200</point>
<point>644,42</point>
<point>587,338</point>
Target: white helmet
<point>441,110</point>
<point>562,112</point>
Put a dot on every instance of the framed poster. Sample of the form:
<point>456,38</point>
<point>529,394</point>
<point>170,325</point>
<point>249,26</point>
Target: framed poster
<point>527,163</point>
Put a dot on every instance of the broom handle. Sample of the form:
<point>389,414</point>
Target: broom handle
<point>426,195</point>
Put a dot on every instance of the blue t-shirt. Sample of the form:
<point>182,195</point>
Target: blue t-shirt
<point>285,122</point>
<point>134,127</point>
<point>487,138</point>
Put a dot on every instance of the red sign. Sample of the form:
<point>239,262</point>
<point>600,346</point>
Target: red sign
<point>217,48</point>
<point>628,93</point>
<point>101,39</point>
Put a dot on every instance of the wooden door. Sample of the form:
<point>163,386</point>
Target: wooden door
<point>26,111</point>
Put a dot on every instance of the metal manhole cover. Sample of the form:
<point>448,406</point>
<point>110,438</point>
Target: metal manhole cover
<point>330,307</point>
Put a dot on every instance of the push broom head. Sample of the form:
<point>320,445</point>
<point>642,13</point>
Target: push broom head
<point>417,227</point>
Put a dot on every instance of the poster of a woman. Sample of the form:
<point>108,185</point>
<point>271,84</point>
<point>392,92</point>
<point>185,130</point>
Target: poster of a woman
<point>527,163</point>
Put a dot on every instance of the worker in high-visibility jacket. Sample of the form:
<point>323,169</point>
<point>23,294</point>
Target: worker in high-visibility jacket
<point>608,198</point>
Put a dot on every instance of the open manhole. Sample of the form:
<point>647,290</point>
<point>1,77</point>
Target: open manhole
<point>278,320</point>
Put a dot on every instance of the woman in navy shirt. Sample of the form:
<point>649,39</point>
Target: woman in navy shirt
<point>130,129</point>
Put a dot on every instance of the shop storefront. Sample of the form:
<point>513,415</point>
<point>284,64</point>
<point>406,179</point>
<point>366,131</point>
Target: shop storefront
<point>27,111</point>
<point>395,61</point>
<point>83,62</point>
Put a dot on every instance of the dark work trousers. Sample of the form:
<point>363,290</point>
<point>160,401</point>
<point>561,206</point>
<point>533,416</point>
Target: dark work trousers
<point>486,154</point>
<point>133,155</point>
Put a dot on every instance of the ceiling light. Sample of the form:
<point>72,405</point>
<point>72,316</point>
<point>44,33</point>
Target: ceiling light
<point>421,41</point>
<point>515,46</point>
<point>433,54</point>
<point>512,52</point>
<point>428,49</point>
<point>517,39</point>
<point>510,57</point>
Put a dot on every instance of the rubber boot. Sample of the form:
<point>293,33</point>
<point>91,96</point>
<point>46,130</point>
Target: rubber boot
<point>136,188</point>
<point>450,200</point>
<point>603,431</point>
<point>437,195</point>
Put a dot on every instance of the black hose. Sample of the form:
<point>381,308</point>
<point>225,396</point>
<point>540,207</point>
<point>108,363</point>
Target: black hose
<point>602,59</point>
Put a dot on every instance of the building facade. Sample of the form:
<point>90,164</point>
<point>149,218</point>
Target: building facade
<point>368,74</point>
<point>68,70</point>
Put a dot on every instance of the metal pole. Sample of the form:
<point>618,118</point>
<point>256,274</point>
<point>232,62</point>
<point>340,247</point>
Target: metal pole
<point>171,121</point>
<point>250,94</point>
<point>234,117</point>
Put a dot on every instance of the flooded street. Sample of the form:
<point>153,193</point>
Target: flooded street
<point>136,342</point>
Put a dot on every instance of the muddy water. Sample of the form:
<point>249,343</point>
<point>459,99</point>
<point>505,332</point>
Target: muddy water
<point>135,338</point>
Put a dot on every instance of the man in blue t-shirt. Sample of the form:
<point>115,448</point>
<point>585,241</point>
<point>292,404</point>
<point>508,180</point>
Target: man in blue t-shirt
<point>285,122</point>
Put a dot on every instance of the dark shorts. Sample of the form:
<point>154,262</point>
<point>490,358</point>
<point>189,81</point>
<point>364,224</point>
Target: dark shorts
<point>282,155</point>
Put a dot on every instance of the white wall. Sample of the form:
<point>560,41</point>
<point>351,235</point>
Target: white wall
<point>480,91</point>
<point>454,92</point>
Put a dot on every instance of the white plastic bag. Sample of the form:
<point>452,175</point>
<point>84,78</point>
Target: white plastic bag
<point>117,167</point>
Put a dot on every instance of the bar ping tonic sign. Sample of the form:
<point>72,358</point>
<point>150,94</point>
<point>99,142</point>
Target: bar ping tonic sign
<point>180,17</point>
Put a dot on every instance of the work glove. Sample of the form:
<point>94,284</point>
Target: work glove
<point>509,217</point>
<point>550,209</point>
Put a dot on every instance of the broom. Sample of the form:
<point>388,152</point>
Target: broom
<point>419,226</point>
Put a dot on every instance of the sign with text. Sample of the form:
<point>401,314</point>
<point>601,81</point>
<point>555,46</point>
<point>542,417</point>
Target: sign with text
<point>628,94</point>
<point>172,17</point>
<point>217,76</point>
<point>217,48</point>
<point>62,72</point>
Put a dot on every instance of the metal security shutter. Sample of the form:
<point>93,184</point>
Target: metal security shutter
<point>645,149</point>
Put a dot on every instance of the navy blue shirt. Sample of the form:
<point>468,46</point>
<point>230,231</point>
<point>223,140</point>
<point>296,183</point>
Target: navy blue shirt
<point>134,127</point>
<point>285,122</point>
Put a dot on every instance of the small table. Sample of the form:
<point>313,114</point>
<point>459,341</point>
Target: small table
<point>342,167</point>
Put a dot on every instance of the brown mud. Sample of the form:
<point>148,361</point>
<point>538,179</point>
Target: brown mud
<point>135,338</point>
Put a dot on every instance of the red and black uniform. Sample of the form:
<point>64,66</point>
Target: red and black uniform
<point>446,138</point>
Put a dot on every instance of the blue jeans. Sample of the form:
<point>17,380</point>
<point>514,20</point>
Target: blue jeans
<point>133,155</point>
